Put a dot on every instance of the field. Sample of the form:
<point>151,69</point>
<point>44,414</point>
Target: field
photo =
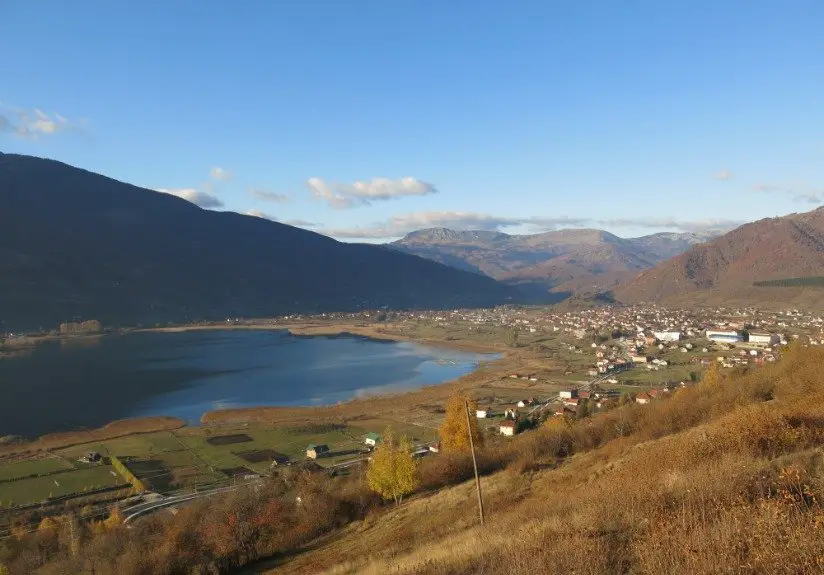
<point>37,466</point>
<point>36,489</point>
<point>189,458</point>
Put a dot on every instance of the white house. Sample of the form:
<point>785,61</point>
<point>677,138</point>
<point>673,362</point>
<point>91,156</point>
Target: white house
<point>507,427</point>
<point>482,413</point>
<point>568,393</point>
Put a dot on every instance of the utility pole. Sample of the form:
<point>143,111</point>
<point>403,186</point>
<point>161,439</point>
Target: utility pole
<point>474,462</point>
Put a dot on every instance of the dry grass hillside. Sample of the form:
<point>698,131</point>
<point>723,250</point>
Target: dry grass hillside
<point>726,267</point>
<point>725,477</point>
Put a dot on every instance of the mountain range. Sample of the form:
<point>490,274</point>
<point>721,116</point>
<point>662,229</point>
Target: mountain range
<point>570,260</point>
<point>78,245</point>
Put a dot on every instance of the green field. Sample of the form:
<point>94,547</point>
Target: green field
<point>37,489</point>
<point>33,467</point>
<point>172,461</point>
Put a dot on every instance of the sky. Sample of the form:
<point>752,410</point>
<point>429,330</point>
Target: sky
<point>368,119</point>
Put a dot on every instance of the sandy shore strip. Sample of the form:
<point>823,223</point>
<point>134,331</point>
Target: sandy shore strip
<point>373,331</point>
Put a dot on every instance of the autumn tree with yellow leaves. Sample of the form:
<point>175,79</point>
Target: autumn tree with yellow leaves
<point>454,434</point>
<point>392,472</point>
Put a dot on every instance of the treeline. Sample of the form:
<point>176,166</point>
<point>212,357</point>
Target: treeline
<point>127,474</point>
<point>812,281</point>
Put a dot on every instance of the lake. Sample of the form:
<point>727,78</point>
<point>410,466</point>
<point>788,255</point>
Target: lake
<point>84,383</point>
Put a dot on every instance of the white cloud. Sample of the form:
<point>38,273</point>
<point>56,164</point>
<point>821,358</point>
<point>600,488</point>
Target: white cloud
<point>705,225</point>
<point>220,174</point>
<point>361,193</point>
<point>34,123</point>
<point>401,225</point>
<point>198,198</point>
<point>296,222</point>
<point>267,196</point>
<point>723,176</point>
<point>259,214</point>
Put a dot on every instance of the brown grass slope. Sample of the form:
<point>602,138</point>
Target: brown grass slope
<point>773,248</point>
<point>726,477</point>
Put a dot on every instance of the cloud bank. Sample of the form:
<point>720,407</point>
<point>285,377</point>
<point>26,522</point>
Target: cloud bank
<point>295,222</point>
<point>401,225</point>
<point>363,193</point>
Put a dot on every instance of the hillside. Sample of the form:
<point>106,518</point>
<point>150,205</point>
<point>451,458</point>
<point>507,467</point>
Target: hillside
<point>75,244</point>
<point>727,267</point>
<point>564,260</point>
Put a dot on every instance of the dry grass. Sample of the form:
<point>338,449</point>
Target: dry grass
<point>727,477</point>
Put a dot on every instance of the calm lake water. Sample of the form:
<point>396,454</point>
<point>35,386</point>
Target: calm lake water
<point>61,386</point>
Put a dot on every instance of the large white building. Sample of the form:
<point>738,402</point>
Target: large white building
<point>724,336</point>
<point>667,335</point>
<point>763,338</point>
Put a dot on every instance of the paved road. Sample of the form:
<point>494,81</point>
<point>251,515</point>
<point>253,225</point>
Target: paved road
<point>161,502</point>
<point>141,509</point>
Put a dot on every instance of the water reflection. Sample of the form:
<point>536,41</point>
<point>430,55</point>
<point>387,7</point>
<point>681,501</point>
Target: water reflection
<point>61,387</point>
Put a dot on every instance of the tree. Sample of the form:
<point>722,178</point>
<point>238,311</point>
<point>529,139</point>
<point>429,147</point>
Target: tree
<point>511,337</point>
<point>454,434</point>
<point>115,518</point>
<point>392,473</point>
<point>712,377</point>
<point>47,525</point>
<point>3,570</point>
<point>583,409</point>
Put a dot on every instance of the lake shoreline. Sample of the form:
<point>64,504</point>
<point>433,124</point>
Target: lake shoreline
<point>371,331</point>
<point>372,405</point>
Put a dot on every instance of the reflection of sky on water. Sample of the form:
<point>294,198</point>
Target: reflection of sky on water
<point>249,369</point>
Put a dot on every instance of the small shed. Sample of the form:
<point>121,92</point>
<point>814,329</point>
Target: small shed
<point>372,439</point>
<point>317,451</point>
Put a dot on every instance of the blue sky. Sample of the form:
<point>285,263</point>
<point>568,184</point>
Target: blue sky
<point>365,119</point>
